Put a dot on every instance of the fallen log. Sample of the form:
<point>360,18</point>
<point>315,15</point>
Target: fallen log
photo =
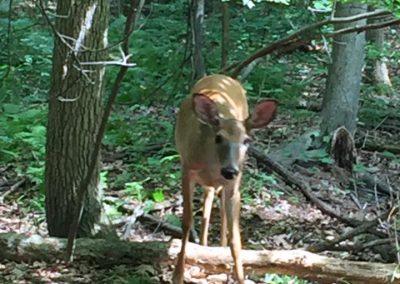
<point>303,264</point>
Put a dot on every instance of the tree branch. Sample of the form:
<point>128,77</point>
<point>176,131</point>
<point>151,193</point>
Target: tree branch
<point>364,28</point>
<point>304,33</point>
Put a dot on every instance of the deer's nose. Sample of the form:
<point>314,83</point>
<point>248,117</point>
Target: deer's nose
<point>229,172</point>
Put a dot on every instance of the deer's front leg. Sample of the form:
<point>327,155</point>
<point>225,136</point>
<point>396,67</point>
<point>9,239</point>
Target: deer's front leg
<point>222,212</point>
<point>187,191</point>
<point>232,207</point>
<point>207,207</point>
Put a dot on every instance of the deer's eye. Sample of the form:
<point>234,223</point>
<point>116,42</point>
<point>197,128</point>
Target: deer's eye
<point>247,141</point>
<point>218,139</point>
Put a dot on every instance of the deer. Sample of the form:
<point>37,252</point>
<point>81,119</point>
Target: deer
<point>212,135</point>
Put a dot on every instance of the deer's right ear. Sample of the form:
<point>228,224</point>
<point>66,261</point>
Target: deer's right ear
<point>205,109</point>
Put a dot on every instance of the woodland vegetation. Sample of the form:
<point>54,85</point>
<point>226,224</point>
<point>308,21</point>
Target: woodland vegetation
<point>90,188</point>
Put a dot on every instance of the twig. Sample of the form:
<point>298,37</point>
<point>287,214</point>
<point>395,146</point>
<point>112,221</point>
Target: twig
<point>355,200</point>
<point>5,169</point>
<point>137,212</point>
<point>123,62</point>
<point>83,188</point>
<point>373,243</point>
<point>12,189</point>
<point>174,230</point>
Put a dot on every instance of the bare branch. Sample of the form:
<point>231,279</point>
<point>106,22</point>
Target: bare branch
<point>122,62</point>
<point>305,32</point>
<point>364,28</point>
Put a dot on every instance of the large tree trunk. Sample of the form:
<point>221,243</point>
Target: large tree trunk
<point>340,102</point>
<point>213,259</point>
<point>197,19</point>
<point>74,115</point>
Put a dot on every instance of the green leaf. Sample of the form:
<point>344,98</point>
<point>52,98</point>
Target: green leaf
<point>359,168</point>
<point>10,153</point>
<point>158,195</point>
<point>388,154</point>
<point>169,158</point>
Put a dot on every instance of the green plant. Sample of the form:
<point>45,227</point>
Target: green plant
<point>22,139</point>
<point>283,279</point>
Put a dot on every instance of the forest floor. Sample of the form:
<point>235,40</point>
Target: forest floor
<point>280,218</point>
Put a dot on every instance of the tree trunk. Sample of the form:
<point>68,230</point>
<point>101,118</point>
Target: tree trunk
<point>74,110</point>
<point>225,34</point>
<point>343,149</point>
<point>213,259</point>
<point>340,102</point>
<point>380,71</point>
<point>197,19</point>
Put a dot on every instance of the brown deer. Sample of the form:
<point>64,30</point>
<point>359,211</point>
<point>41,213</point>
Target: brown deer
<point>212,137</point>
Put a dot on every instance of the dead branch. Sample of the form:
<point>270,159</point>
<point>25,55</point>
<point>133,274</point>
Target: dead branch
<point>105,252</point>
<point>12,189</point>
<point>364,28</point>
<point>290,179</point>
<point>370,146</point>
<point>373,182</point>
<point>158,223</point>
<point>307,32</point>
<point>305,189</point>
<point>363,228</point>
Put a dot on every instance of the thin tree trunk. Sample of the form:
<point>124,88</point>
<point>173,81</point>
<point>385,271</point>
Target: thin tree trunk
<point>74,110</point>
<point>380,71</point>
<point>197,19</point>
<point>225,34</point>
<point>340,102</point>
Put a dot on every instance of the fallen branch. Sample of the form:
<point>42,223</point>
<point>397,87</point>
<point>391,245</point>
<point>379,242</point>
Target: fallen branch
<point>373,182</point>
<point>290,179</point>
<point>305,189</point>
<point>12,189</point>
<point>303,264</point>
<point>370,146</point>
<point>363,228</point>
<point>158,223</point>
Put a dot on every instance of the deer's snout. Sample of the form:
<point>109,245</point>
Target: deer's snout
<point>229,172</point>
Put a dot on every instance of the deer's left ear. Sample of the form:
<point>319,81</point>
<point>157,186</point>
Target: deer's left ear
<point>264,112</point>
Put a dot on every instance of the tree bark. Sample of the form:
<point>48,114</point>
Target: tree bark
<point>75,107</point>
<point>343,149</point>
<point>213,259</point>
<point>225,34</point>
<point>340,102</point>
<point>380,71</point>
<point>197,19</point>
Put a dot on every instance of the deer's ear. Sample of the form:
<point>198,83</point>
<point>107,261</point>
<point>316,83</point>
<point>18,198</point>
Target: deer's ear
<point>205,109</point>
<point>264,112</point>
